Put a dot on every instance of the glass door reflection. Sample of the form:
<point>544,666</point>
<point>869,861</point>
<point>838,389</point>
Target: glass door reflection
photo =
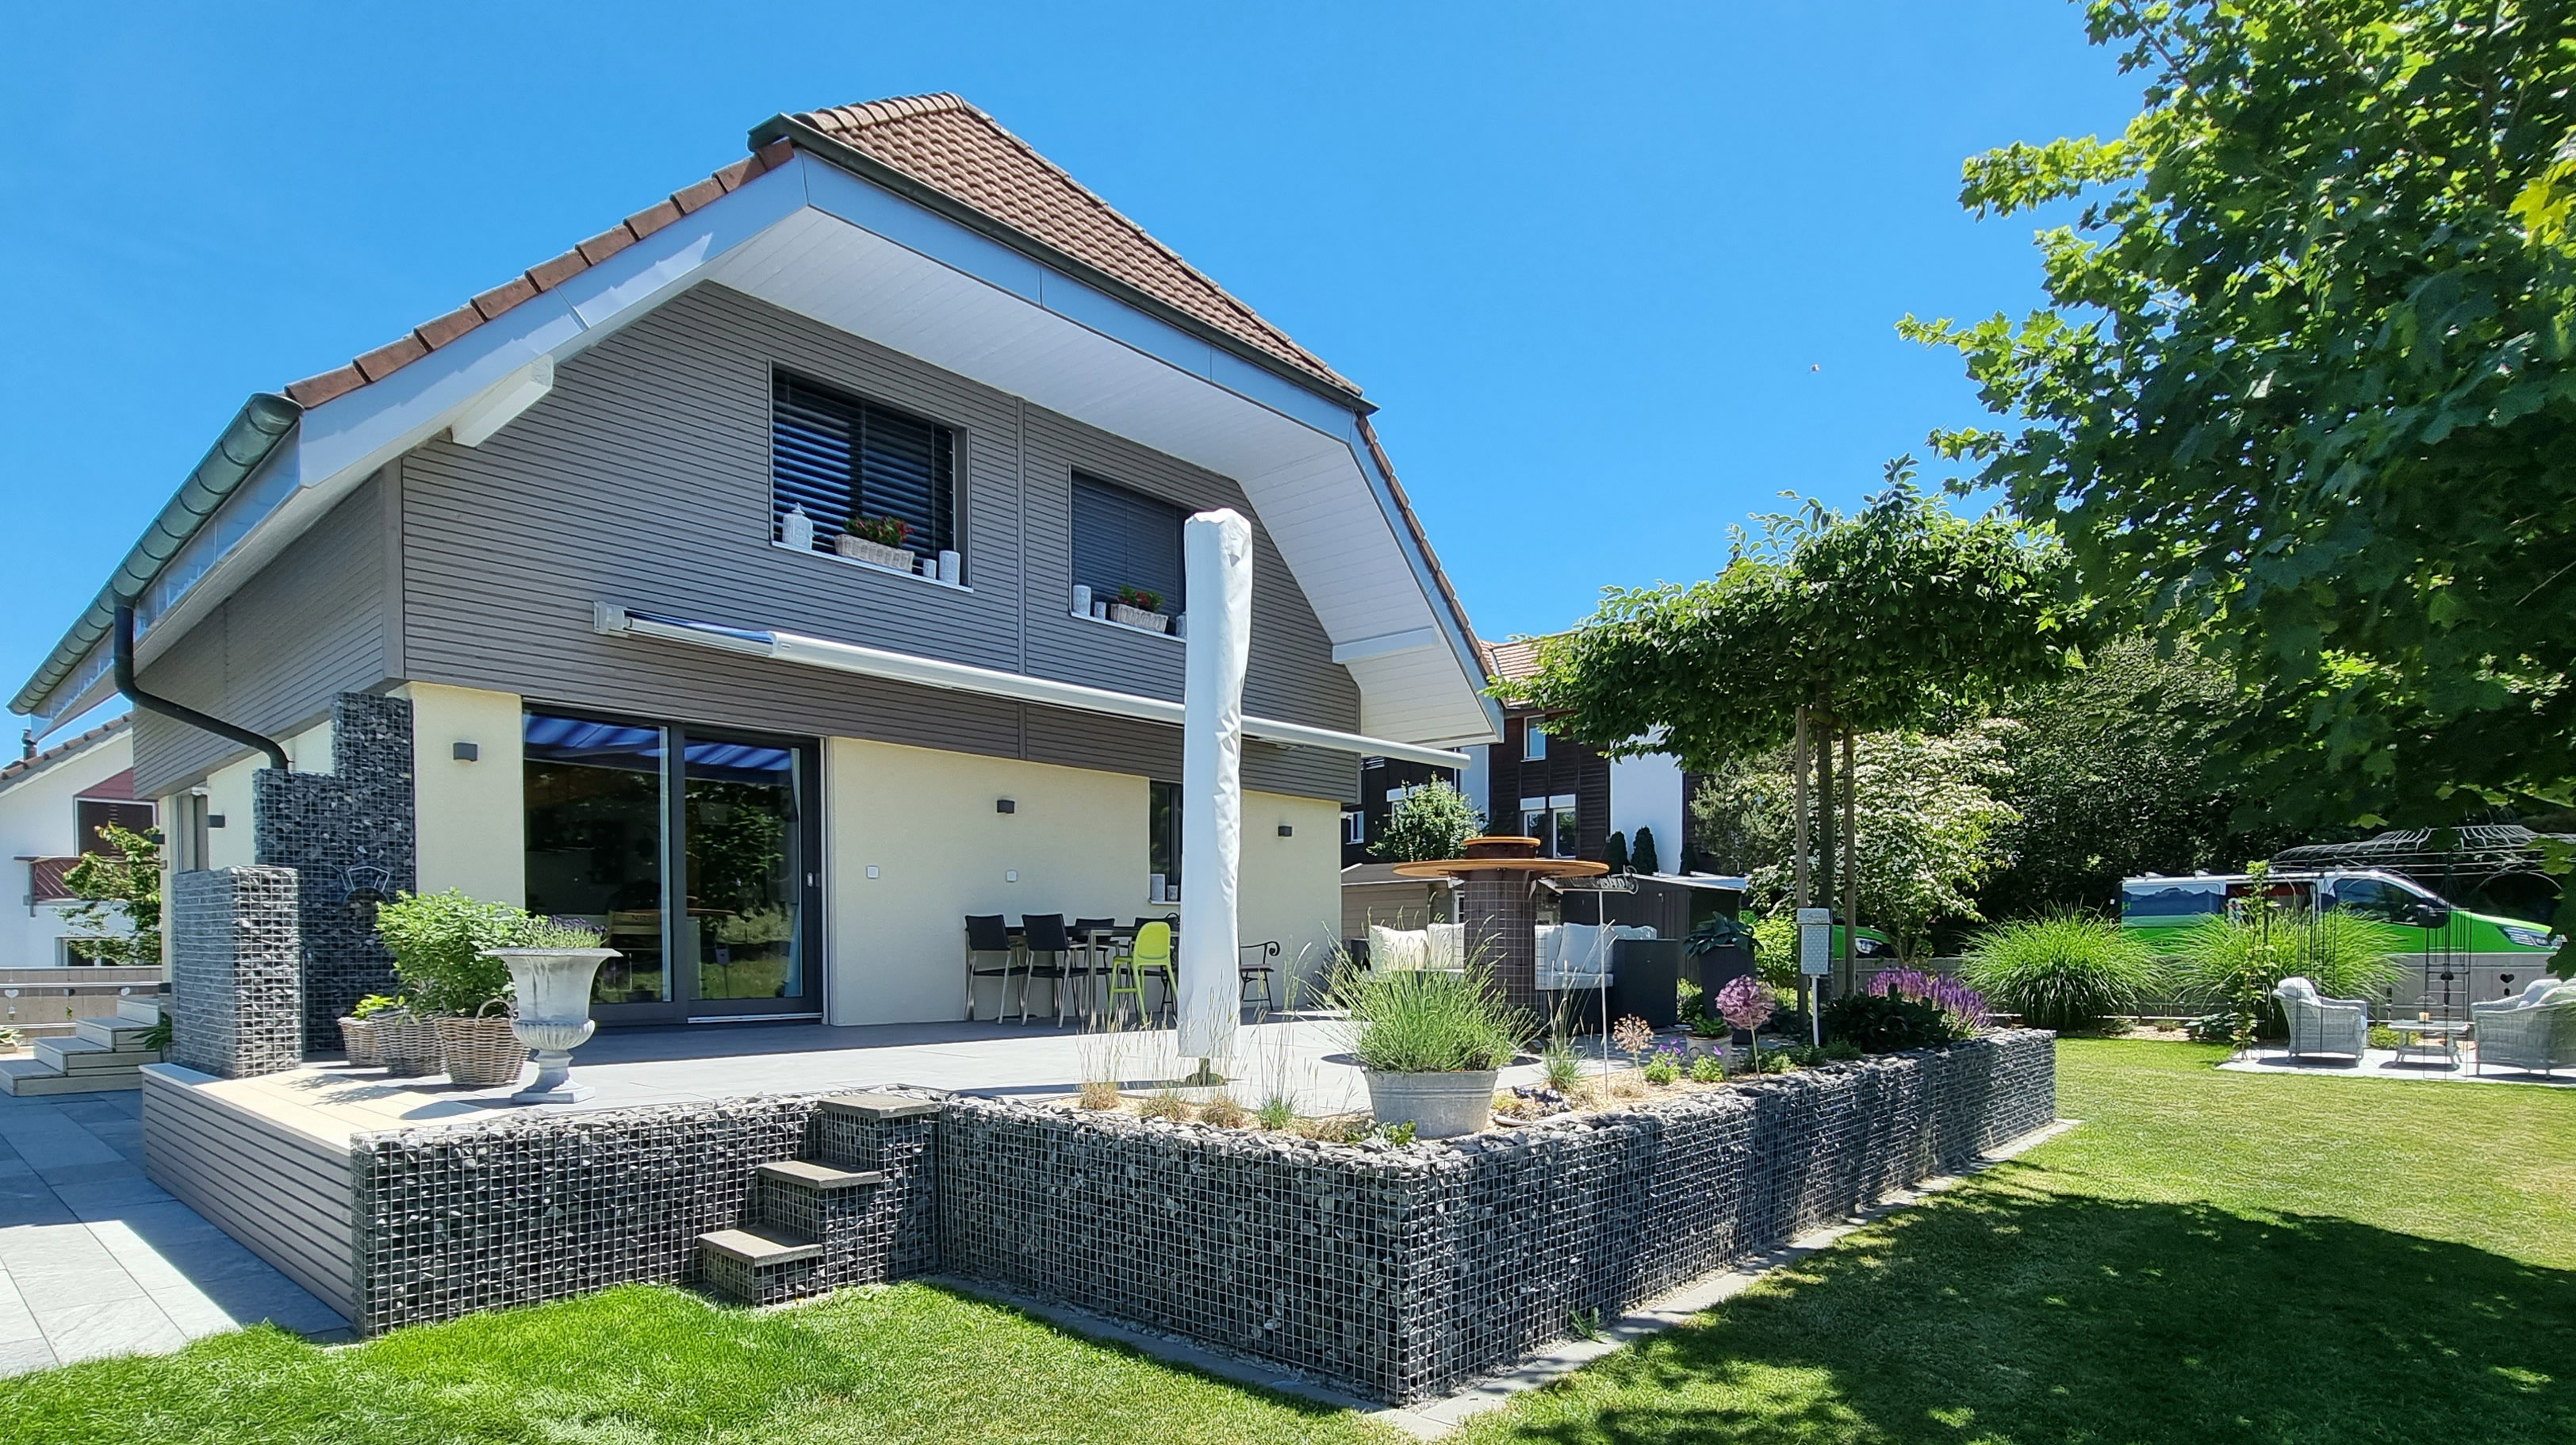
<point>742,852</point>
<point>595,826</point>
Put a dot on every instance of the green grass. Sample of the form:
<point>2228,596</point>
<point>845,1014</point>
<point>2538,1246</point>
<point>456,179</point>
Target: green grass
<point>640,1363</point>
<point>2212,1257</point>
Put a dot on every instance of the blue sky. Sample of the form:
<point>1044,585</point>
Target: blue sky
<point>1617,275</point>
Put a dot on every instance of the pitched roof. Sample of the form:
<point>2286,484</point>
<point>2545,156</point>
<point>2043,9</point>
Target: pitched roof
<point>1510,661</point>
<point>939,142</point>
<point>963,153</point>
<point>41,761</point>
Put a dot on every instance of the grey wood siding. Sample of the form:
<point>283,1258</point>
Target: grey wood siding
<point>313,623</point>
<point>644,479</point>
<point>285,1195</point>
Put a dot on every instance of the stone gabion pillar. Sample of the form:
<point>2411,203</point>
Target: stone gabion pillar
<point>350,833</point>
<point>236,971</point>
<point>1502,932</point>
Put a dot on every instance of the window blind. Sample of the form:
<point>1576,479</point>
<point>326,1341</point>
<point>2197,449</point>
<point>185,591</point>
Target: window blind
<point>1124,539</point>
<point>838,457</point>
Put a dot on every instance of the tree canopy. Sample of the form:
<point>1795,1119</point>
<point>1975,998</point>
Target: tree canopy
<point>1432,820</point>
<point>2303,388</point>
<point>1877,620</point>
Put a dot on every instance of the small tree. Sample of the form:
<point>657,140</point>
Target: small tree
<point>120,893</point>
<point>1642,858</point>
<point>1616,855</point>
<point>1431,821</point>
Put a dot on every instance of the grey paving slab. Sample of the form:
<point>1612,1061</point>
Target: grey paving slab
<point>96,1260</point>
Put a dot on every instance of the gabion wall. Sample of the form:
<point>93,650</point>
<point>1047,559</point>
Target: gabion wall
<point>235,995</point>
<point>1399,1274</point>
<point>448,1221</point>
<point>349,834</point>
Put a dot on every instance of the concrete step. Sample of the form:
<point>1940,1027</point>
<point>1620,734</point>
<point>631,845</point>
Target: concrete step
<point>145,1009</point>
<point>84,1056</point>
<point>117,1033</point>
<point>821,1178</point>
<point>21,1077</point>
<point>760,1265</point>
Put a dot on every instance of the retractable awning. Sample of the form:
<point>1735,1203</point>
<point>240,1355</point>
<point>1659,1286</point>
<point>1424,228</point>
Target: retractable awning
<point>921,671</point>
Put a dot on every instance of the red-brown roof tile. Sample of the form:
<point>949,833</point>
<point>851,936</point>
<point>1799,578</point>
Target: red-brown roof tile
<point>440,330</point>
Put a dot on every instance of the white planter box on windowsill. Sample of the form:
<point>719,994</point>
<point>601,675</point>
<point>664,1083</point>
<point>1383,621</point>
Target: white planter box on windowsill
<point>860,549</point>
<point>841,561</point>
<point>1139,618</point>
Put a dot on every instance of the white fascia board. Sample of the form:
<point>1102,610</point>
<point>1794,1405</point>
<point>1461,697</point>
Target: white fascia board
<point>880,212</point>
<point>1462,647</point>
<point>340,443</point>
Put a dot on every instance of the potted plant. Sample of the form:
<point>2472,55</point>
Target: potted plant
<point>358,1029</point>
<point>552,967</point>
<point>1137,607</point>
<point>1429,1043</point>
<point>440,944</point>
<point>877,540</point>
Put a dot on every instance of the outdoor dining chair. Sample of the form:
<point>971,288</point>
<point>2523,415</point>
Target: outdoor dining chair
<point>1149,952</point>
<point>987,934</point>
<point>1259,970</point>
<point>1045,934</point>
<point>1096,940</point>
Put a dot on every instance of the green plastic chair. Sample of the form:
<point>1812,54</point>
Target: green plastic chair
<point>1150,952</point>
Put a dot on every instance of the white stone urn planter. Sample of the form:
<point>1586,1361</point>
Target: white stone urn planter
<point>553,986</point>
<point>1438,1106</point>
<point>1139,617</point>
<point>876,554</point>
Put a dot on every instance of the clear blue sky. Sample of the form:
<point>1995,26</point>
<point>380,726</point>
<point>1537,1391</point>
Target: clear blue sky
<point>1617,275</point>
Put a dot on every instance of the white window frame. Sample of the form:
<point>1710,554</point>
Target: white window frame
<point>1533,741</point>
<point>1355,826</point>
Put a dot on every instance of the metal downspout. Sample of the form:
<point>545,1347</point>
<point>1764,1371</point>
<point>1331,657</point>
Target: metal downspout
<point>179,712</point>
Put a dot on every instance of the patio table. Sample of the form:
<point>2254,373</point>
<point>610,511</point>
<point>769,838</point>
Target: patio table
<point>2430,1036</point>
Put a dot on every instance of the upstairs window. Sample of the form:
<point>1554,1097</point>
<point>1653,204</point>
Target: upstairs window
<point>842,459</point>
<point>1533,742</point>
<point>1126,539</point>
<point>96,814</point>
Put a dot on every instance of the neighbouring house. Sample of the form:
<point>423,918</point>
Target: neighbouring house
<point>551,598</point>
<point>1384,782</point>
<point>1567,794</point>
<point>52,805</point>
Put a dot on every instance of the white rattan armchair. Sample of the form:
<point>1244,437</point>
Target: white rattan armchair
<point>2534,1030</point>
<point>2321,1025</point>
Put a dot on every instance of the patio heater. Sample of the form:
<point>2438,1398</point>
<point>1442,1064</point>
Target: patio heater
<point>1216,555</point>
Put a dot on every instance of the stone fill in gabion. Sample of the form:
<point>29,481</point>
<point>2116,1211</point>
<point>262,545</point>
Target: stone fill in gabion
<point>236,993</point>
<point>1400,1274</point>
<point>349,834</point>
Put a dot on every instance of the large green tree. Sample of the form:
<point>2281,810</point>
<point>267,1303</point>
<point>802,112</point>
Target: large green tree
<point>2111,777</point>
<point>2306,385</point>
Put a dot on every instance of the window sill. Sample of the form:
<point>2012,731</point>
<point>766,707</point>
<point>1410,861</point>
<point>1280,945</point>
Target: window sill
<point>867,566</point>
<point>1129,629</point>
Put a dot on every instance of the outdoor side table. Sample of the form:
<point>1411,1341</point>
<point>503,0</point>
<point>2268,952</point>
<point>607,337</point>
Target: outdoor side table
<point>2429,1037</point>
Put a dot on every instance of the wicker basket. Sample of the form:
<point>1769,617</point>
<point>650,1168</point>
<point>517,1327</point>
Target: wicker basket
<point>360,1037</point>
<point>482,1052</point>
<point>407,1044</point>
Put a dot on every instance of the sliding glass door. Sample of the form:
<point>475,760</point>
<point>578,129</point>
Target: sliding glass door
<point>695,851</point>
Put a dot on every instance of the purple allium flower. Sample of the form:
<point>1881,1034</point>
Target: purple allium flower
<point>1744,1003</point>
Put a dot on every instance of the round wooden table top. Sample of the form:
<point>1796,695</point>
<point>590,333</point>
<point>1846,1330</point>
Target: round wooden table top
<point>1502,854</point>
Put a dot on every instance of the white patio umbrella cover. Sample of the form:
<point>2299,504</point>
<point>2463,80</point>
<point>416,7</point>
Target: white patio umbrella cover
<point>1216,556</point>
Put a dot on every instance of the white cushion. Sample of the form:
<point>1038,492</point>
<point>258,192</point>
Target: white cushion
<point>1580,948</point>
<point>1393,949</point>
<point>1447,946</point>
<point>1551,939</point>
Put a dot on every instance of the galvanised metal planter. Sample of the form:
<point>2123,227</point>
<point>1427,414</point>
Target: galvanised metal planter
<point>553,986</point>
<point>1438,1106</point>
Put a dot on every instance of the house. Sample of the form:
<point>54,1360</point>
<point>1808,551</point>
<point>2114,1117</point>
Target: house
<point>1567,794</point>
<point>550,599</point>
<point>52,805</point>
<point>1384,782</point>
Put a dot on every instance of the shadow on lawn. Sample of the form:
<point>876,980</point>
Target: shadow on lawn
<point>2007,1313</point>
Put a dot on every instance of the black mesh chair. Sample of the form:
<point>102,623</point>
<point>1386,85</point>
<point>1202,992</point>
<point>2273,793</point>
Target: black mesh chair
<point>988,935</point>
<point>1252,964</point>
<point>1044,934</point>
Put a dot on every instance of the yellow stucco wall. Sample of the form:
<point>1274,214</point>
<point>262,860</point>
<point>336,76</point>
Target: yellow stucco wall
<point>1291,888</point>
<point>926,822</point>
<point>471,817</point>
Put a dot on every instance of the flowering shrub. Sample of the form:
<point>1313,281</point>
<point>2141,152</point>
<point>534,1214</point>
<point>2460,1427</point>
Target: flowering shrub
<point>1665,1067</point>
<point>1944,993</point>
<point>884,531</point>
<point>1745,1003</point>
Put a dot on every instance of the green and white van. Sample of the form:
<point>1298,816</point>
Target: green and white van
<point>2486,956</point>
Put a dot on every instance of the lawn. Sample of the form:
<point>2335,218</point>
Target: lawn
<point>2212,1257</point>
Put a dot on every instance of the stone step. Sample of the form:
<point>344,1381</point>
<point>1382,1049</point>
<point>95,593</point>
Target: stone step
<point>117,1033</point>
<point>854,1126</point>
<point>760,1265</point>
<point>21,1077</point>
<point>824,1178</point>
<point>84,1056</point>
<point>143,1010</point>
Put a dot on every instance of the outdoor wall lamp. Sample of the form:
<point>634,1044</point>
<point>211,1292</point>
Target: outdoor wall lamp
<point>466,752</point>
<point>1005,805</point>
<point>1287,830</point>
